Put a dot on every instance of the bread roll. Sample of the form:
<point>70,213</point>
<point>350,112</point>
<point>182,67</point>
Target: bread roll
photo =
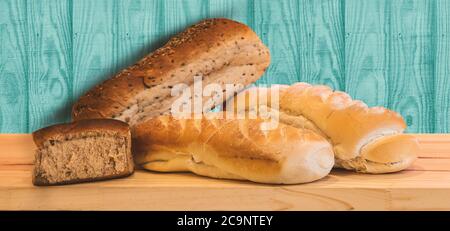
<point>364,139</point>
<point>83,151</point>
<point>232,149</point>
<point>219,51</point>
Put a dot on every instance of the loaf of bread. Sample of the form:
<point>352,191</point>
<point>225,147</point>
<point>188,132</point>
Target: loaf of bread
<point>364,139</point>
<point>83,151</point>
<point>232,149</point>
<point>219,51</point>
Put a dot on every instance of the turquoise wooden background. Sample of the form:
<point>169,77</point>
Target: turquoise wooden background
<point>385,52</point>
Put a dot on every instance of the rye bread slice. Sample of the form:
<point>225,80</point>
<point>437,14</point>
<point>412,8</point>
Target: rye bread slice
<point>82,151</point>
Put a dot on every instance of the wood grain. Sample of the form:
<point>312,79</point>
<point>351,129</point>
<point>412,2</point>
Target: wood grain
<point>390,53</point>
<point>366,51</point>
<point>93,43</point>
<point>50,62</point>
<point>151,191</point>
<point>442,68</point>
<point>14,53</point>
<point>279,24</point>
<point>240,10</point>
<point>139,27</point>
<point>411,62</point>
<point>180,14</point>
<point>341,190</point>
<point>305,39</point>
<point>322,42</point>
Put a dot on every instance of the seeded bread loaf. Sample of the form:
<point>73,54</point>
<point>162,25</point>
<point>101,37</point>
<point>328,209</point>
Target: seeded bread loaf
<point>221,51</point>
<point>83,151</point>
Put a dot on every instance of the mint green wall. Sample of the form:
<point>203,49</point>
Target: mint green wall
<point>386,52</point>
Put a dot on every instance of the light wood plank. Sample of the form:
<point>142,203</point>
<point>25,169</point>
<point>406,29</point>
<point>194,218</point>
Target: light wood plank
<point>341,190</point>
<point>14,53</point>
<point>19,176</point>
<point>50,62</point>
<point>434,145</point>
<point>16,149</point>
<point>431,164</point>
<point>152,191</point>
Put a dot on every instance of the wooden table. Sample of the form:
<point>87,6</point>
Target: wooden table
<point>424,186</point>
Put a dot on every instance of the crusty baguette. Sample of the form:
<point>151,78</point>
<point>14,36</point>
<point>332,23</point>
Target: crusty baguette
<point>221,51</point>
<point>82,151</point>
<point>232,149</point>
<point>364,139</point>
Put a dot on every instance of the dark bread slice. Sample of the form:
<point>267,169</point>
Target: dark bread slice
<point>82,151</point>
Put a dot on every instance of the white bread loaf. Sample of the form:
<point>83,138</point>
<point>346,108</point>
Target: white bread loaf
<point>364,139</point>
<point>232,149</point>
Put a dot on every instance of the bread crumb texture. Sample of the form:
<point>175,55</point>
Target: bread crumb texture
<point>87,155</point>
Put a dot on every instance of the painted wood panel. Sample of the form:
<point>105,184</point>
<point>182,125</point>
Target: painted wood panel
<point>366,50</point>
<point>240,10</point>
<point>305,39</point>
<point>388,53</point>
<point>322,43</point>
<point>93,30</point>
<point>411,62</point>
<point>442,68</point>
<point>50,62</point>
<point>278,24</point>
<point>138,30</point>
<point>13,66</point>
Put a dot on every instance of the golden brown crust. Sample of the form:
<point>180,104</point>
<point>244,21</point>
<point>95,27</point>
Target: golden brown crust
<point>364,139</point>
<point>60,131</point>
<point>390,149</point>
<point>232,148</point>
<point>175,63</point>
<point>348,123</point>
<point>239,138</point>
